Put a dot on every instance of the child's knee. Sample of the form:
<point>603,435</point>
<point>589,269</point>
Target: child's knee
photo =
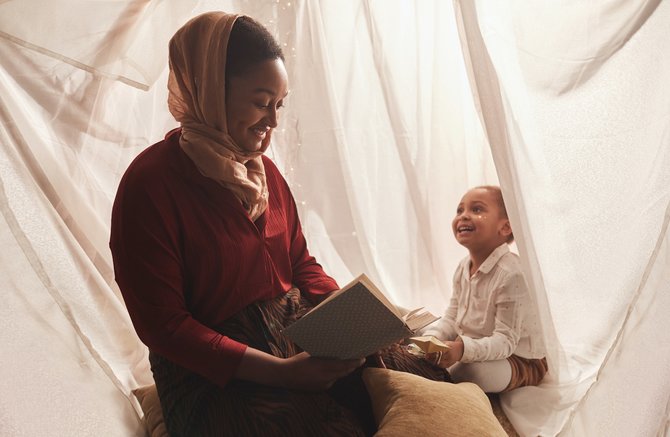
<point>490,376</point>
<point>464,372</point>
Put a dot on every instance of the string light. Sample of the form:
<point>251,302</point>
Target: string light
<point>279,17</point>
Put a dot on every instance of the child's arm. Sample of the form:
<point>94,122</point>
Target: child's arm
<point>445,328</point>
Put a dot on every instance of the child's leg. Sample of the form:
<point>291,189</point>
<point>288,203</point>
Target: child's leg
<point>491,376</point>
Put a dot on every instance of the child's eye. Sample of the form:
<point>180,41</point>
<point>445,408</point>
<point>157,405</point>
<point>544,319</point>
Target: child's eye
<point>476,209</point>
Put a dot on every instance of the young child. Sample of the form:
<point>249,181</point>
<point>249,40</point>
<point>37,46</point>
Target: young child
<point>491,325</point>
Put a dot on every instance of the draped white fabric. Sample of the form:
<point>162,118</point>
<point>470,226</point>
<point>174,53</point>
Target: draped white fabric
<point>576,103</point>
<point>392,108</point>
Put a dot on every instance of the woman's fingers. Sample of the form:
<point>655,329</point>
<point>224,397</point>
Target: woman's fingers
<point>308,373</point>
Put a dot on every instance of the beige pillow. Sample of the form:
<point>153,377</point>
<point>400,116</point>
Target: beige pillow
<point>407,404</point>
<point>153,415</point>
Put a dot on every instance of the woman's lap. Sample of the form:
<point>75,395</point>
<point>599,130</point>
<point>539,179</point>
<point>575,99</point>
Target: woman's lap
<point>193,406</point>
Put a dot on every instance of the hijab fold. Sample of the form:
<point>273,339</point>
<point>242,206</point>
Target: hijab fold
<point>197,99</point>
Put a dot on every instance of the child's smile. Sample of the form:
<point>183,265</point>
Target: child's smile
<point>465,229</point>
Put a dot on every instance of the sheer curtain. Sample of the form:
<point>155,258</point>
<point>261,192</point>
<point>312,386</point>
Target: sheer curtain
<point>73,113</point>
<point>380,139</point>
<point>392,108</point>
<point>575,99</point>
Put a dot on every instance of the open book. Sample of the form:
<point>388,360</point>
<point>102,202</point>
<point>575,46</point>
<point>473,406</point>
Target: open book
<point>354,322</point>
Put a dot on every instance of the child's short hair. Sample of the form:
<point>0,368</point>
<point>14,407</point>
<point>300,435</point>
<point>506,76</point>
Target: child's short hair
<point>497,192</point>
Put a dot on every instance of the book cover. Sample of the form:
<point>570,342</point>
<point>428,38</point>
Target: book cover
<point>354,322</point>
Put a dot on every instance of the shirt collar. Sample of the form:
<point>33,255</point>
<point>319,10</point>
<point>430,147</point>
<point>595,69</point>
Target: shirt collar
<point>492,259</point>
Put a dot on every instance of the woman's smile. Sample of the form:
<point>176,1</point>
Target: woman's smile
<point>253,102</point>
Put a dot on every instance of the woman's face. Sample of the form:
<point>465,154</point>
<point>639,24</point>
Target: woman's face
<point>253,102</point>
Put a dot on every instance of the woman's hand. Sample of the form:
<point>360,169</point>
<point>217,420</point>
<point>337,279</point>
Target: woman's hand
<point>299,372</point>
<point>303,372</point>
<point>449,357</point>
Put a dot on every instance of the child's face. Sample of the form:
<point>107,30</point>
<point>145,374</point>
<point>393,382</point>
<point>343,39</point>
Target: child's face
<point>479,224</point>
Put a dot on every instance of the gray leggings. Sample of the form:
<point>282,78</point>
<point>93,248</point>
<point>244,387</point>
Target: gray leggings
<point>491,376</point>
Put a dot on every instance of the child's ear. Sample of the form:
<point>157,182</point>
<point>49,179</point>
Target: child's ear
<point>506,229</point>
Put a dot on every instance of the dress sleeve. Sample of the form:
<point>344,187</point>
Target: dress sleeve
<point>308,275</point>
<point>148,265</point>
<point>508,320</point>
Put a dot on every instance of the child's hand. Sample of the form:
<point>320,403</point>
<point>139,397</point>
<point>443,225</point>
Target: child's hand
<point>447,358</point>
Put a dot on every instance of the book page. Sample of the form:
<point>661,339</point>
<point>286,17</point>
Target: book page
<point>419,318</point>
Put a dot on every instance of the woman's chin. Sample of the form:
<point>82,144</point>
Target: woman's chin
<point>252,147</point>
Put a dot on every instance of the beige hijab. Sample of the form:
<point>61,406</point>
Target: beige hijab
<point>197,99</point>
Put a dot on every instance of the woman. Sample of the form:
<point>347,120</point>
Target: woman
<point>210,257</point>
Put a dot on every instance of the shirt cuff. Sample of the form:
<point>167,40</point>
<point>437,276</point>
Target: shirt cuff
<point>434,332</point>
<point>321,288</point>
<point>469,347</point>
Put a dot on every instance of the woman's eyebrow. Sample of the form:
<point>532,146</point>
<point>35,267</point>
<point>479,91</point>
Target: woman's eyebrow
<point>267,91</point>
<point>264,90</point>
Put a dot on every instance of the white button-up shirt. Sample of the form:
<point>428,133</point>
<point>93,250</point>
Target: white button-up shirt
<point>492,311</point>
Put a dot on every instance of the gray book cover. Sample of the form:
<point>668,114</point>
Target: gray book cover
<point>353,322</point>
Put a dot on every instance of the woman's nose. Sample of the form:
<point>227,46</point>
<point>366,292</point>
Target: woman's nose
<point>272,117</point>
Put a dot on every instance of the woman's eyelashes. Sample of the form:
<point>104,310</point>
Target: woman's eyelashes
<point>264,105</point>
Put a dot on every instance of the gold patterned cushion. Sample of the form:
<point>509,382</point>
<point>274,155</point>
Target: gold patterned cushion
<point>406,404</point>
<point>151,406</point>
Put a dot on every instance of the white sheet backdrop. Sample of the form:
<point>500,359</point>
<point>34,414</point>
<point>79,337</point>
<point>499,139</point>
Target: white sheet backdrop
<point>392,108</point>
